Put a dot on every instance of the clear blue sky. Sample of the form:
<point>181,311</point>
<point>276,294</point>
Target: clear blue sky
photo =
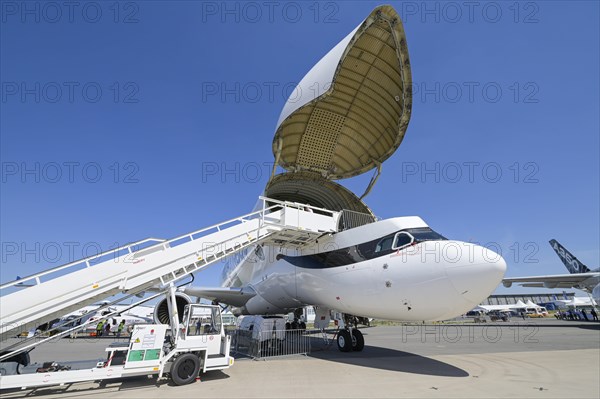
<point>163,92</point>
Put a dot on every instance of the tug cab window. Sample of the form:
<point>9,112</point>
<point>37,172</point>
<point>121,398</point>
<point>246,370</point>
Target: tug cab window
<point>203,320</point>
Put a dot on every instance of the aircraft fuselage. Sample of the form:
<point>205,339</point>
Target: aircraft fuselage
<point>359,272</point>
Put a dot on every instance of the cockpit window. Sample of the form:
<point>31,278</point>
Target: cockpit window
<point>425,234</point>
<point>378,247</point>
<point>384,244</point>
<point>402,239</point>
<point>405,237</point>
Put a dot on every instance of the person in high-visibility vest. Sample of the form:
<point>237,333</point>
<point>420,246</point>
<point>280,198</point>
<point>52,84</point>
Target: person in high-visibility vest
<point>120,328</point>
<point>99,328</point>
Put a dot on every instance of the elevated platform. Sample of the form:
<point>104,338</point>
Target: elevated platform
<point>129,269</point>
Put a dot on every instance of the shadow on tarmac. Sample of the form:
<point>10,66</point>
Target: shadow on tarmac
<point>210,376</point>
<point>118,385</point>
<point>392,360</point>
<point>587,325</point>
<point>71,390</point>
<point>590,327</point>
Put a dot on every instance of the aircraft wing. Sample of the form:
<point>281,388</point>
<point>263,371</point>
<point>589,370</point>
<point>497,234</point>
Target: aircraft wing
<point>551,281</point>
<point>231,296</point>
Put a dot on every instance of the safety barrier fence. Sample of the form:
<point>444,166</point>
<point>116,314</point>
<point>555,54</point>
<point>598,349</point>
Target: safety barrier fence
<point>272,343</point>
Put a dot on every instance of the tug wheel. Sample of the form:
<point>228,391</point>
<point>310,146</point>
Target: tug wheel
<point>185,369</point>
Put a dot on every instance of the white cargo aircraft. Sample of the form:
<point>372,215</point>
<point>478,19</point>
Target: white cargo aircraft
<point>348,115</point>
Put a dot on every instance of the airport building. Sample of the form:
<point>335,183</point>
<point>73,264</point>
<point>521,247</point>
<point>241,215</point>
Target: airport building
<point>540,299</point>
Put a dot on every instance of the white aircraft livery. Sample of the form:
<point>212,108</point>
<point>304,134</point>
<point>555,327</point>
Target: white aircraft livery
<point>348,115</point>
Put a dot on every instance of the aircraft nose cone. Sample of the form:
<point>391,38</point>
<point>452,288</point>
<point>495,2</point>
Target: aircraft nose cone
<point>477,274</point>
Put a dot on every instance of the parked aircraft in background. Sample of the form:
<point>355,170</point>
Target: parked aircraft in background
<point>137,315</point>
<point>580,275</point>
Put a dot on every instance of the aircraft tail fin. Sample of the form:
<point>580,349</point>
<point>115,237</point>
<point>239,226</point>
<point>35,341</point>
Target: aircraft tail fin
<point>570,261</point>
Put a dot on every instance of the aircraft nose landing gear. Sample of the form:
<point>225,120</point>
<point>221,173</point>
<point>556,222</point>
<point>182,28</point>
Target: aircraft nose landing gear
<point>349,337</point>
<point>344,341</point>
<point>358,341</point>
<point>350,341</point>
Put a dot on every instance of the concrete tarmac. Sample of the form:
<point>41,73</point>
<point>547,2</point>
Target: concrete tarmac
<point>544,358</point>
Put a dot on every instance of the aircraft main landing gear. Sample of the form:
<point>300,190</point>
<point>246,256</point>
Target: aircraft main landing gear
<point>297,323</point>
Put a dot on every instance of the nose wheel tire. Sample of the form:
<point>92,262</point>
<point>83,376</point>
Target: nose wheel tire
<point>185,369</point>
<point>344,341</point>
<point>358,341</point>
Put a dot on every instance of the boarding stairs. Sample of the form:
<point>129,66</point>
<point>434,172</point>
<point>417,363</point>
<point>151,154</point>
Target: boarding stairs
<point>154,264</point>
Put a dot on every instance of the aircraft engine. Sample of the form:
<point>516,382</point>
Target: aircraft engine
<point>161,310</point>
